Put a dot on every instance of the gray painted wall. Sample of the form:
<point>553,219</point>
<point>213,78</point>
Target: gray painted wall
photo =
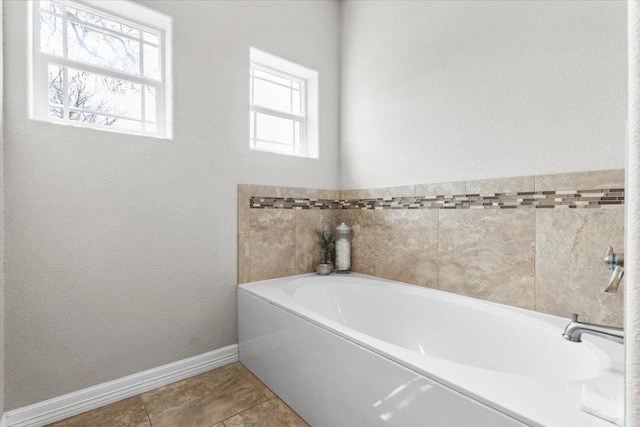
<point>121,250</point>
<point>2,227</point>
<point>453,91</point>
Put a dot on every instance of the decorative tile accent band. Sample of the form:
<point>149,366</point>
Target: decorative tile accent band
<point>526,199</point>
<point>292,203</point>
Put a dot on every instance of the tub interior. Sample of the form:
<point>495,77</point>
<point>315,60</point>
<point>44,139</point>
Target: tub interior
<point>468,334</point>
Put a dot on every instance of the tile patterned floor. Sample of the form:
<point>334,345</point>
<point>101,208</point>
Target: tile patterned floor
<point>230,396</point>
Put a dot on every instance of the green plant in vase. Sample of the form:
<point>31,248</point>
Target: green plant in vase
<point>327,245</point>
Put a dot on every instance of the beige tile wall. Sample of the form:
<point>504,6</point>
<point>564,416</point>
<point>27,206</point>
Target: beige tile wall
<point>488,254</point>
<point>549,260</point>
<point>279,242</point>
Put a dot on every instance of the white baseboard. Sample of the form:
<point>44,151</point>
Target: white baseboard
<point>68,405</point>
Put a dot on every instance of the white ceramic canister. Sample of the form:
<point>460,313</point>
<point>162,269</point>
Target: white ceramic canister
<point>343,248</point>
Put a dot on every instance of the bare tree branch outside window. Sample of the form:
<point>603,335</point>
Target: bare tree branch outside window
<point>88,91</point>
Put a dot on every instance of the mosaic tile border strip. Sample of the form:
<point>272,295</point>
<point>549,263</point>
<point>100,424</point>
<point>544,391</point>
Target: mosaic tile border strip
<point>576,199</point>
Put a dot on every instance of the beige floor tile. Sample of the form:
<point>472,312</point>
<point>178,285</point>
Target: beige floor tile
<point>259,384</point>
<point>203,400</point>
<point>126,413</point>
<point>273,413</point>
<point>241,367</point>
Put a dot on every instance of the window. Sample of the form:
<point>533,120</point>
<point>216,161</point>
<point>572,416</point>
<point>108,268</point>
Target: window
<point>283,106</point>
<point>94,68</point>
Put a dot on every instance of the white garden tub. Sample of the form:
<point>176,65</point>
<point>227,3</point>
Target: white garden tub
<point>354,350</point>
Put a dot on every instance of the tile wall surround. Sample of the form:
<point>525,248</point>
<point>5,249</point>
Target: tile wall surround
<point>279,242</point>
<point>535,242</point>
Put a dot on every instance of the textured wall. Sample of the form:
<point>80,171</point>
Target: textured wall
<point>549,260</point>
<point>446,91</point>
<point>121,250</point>
<point>2,222</point>
<point>632,304</point>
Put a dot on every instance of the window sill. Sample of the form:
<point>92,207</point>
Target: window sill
<point>102,129</point>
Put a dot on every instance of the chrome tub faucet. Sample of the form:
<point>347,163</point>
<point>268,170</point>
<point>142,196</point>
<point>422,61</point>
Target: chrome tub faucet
<point>574,330</point>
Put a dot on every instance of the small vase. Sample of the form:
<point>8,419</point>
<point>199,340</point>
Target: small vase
<point>324,269</point>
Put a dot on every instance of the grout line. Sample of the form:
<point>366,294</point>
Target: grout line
<point>240,375</point>
<point>239,197</point>
<point>146,411</point>
<point>296,214</point>
<point>248,236</point>
<point>244,410</point>
<point>438,250</point>
<point>535,248</point>
<point>291,409</point>
<point>535,260</point>
<point>375,242</point>
<point>261,392</point>
<point>246,375</point>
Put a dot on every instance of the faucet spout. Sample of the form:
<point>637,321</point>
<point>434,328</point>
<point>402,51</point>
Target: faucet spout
<point>574,330</point>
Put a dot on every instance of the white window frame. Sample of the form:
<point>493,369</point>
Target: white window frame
<point>308,118</point>
<point>128,13</point>
<point>301,119</point>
